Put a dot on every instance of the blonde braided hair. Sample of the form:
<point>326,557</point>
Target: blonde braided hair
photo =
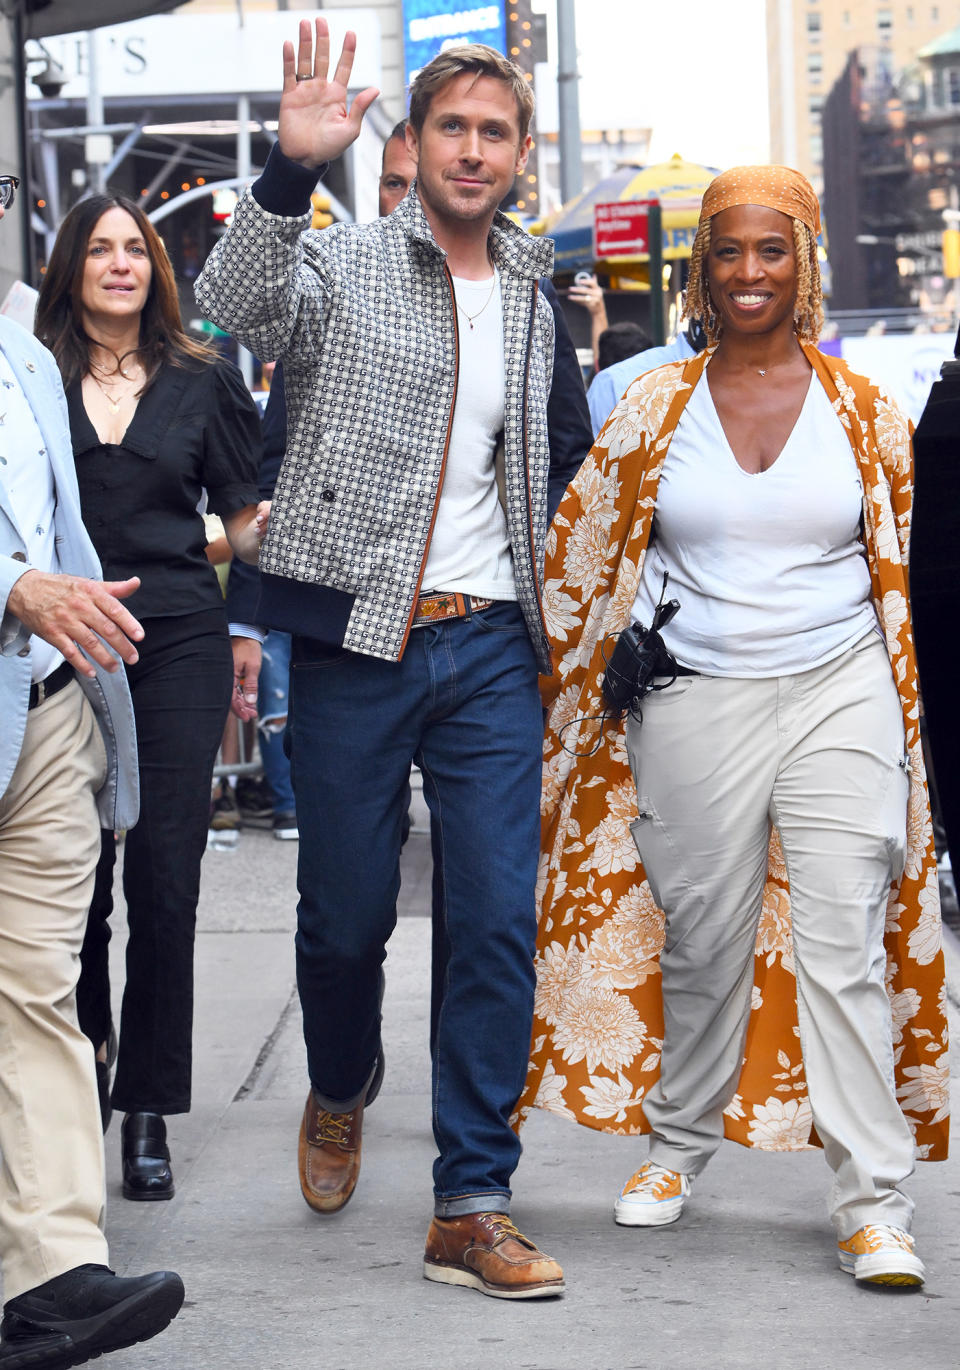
<point>808,310</point>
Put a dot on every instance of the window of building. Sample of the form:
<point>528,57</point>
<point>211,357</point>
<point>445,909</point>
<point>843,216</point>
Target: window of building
<point>815,108</point>
<point>813,24</point>
<point>816,148</point>
<point>952,84</point>
<point>885,22</point>
<point>814,67</point>
<point>935,13</point>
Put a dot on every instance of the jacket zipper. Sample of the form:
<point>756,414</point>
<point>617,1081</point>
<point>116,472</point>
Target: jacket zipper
<point>443,464</point>
<point>526,463</point>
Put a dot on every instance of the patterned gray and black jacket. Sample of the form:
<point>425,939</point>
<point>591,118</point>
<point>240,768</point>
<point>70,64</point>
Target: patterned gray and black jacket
<point>364,319</point>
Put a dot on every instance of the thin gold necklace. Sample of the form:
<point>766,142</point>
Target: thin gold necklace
<point>114,405</point>
<point>470,317</point>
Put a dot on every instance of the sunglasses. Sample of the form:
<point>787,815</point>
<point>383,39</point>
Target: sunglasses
<point>8,189</point>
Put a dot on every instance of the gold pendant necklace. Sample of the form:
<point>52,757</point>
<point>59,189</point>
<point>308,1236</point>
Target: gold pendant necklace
<point>470,317</point>
<point>113,405</point>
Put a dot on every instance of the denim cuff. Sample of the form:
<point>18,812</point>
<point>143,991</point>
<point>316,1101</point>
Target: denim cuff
<point>345,1105</point>
<point>491,1201</point>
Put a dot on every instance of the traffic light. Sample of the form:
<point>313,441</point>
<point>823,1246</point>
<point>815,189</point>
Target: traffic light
<point>951,253</point>
<point>322,218</point>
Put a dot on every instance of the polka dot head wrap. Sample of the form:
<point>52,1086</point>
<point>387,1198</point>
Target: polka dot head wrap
<point>776,187</point>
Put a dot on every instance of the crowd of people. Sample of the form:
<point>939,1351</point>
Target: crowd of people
<point>713,914</point>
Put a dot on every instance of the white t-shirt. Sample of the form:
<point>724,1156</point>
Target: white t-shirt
<point>470,547</point>
<point>769,569</point>
<point>27,477</point>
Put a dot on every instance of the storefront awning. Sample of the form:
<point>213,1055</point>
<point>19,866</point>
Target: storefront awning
<point>44,18</point>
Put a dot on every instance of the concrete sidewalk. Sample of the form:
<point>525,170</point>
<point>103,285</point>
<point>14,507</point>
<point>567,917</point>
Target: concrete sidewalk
<point>747,1280</point>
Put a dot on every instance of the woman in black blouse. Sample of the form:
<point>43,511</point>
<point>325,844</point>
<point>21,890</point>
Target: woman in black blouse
<point>156,420</point>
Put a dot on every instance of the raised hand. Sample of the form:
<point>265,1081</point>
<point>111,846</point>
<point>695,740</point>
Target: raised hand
<point>315,125</point>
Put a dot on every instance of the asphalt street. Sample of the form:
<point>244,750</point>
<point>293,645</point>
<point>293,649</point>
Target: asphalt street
<point>747,1280</point>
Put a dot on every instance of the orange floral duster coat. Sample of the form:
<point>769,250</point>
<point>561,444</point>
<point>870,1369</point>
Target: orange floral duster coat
<point>598,1024</point>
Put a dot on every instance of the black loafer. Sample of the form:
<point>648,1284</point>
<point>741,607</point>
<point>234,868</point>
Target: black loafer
<point>82,1314</point>
<point>146,1157</point>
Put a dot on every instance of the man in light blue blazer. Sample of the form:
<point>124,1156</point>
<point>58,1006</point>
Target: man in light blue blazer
<point>67,765</point>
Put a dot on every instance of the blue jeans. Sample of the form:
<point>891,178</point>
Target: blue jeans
<point>273,709</point>
<point>464,704</point>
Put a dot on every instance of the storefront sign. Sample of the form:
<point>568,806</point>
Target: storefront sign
<point>191,54</point>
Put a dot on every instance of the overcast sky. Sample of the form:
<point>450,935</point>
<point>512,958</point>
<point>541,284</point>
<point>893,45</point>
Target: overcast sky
<point>695,71</point>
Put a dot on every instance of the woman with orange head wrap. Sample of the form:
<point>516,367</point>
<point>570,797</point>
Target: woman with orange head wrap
<point>720,870</point>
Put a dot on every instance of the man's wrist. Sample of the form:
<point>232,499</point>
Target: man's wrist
<point>250,630</point>
<point>284,186</point>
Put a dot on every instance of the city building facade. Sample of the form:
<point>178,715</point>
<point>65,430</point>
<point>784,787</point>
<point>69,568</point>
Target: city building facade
<point>892,182</point>
<point>808,44</point>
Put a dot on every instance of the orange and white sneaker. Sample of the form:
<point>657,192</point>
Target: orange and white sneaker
<point>878,1254</point>
<point>652,1197</point>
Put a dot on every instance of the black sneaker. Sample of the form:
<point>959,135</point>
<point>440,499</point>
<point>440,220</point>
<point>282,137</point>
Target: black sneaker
<point>285,827</point>
<point>254,797</point>
<point>83,1314</point>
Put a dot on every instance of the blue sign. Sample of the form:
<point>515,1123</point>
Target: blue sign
<point>429,26</point>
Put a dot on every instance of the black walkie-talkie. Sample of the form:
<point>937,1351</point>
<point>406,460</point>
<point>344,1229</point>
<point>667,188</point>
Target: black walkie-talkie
<point>639,657</point>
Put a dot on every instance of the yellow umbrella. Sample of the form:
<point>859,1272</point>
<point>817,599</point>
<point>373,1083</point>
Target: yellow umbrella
<point>677,184</point>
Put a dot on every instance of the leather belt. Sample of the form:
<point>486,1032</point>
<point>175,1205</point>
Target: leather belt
<point>56,680</point>
<point>434,606</point>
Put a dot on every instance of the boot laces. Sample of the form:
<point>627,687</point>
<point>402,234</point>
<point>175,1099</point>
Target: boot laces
<point>333,1127</point>
<point>504,1228</point>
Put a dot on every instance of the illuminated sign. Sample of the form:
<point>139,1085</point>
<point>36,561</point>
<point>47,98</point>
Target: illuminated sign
<point>429,26</point>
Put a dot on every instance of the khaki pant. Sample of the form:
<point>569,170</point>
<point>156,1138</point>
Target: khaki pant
<point>51,1144</point>
<point>820,755</point>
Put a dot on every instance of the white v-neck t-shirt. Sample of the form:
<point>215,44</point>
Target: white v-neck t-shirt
<point>470,547</point>
<point>769,568</point>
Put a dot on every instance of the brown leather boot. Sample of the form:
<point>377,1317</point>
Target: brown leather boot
<point>485,1251</point>
<point>329,1155</point>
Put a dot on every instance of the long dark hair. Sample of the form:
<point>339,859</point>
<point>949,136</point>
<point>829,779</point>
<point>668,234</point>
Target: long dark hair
<point>59,322</point>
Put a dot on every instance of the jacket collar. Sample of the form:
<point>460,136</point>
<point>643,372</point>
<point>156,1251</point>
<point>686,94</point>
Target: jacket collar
<point>512,249</point>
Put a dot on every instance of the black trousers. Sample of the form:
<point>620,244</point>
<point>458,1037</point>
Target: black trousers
<point>181,694</point>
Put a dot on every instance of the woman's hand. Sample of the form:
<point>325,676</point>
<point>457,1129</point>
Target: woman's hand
<point>243,530</point>
<point>590,294</point>
<point>263,517</point>
<point>315,124</point>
